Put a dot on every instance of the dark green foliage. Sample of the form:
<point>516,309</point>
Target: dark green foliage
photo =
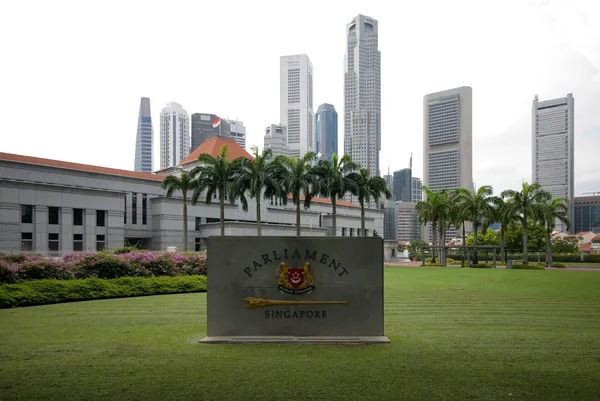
<point>557,264</point>
<point>529,266</point>
<point>40,292</point>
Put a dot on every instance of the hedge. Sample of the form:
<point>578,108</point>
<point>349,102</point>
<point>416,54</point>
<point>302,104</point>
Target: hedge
<point>20,267</point>
<point>50,291</point>
<point>567,258</point>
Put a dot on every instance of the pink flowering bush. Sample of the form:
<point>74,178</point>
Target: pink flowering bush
<point>106,265</point>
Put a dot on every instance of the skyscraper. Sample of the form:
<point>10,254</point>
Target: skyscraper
<point>276,139</point>
<point>447,141</point>
<point>403,185</point>
<point>362,95</point>
<point>144,138</point>
<point>174,135</point>
<point>237,132</point>
<point>296,102</point>
<point>417,190</point>
<point>205,125</point>
<point>326,131</point>
<point>553,149</point>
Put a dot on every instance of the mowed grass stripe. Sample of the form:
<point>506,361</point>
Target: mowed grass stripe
<point>458,334</point>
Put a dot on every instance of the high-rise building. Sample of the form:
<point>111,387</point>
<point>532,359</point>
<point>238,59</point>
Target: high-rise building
<point>417,190</point>
<point>407,222</point>
<point>237,132</point>
<point>144,138</point>
<point>276,139</point>
<point>403,185</point>
<point>362,94</point>
<point>296,102</point>
<point>326,131</point>
<point>174,135</point>
<point>587,214</point>
<point>205,125</point>
<point>553,149</point>
<point>447,142</point>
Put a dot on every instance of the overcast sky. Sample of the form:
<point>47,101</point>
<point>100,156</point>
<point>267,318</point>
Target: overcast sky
<point>73,72</point>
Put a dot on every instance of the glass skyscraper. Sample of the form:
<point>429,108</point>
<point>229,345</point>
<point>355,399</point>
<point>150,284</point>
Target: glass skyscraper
<point>326,131</point>
<point>143,140</point>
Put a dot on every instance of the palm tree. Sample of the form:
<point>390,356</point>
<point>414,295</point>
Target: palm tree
<point>216,175</point>
<point>256,176</point>
<point>434,209</point>
<point>184,183</point>
<point>524,205</point>
<point>502,214</point>
<point>367,188</point>
<point>458,217</point>
<point>334,180</point>
<point>477,208</point>
<point>296,177</point>
<point>550,211</point>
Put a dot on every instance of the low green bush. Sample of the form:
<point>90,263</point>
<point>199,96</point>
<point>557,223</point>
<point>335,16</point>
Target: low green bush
<point>591,258</point>
<point>529,266</point>
<point>557,264</point>
<point>49,291</point>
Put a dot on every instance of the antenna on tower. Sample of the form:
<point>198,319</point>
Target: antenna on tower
<point>410,163</point>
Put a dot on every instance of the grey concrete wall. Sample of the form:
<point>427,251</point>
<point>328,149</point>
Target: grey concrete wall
<point>344,269</point>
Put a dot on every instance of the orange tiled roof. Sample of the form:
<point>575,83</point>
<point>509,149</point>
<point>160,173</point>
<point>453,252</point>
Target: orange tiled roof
<point>327,200</point>
<point>585,247</point>
<point>78,167</point>
<point>596,238</point>
<point>213,145</point>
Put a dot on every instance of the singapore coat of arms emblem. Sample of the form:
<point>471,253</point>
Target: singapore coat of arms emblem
<point>295,280</point>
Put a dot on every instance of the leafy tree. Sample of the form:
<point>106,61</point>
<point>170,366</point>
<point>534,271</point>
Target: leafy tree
<point>217,175</point>
<point>489,237</point>
<point>536,236</point>
<point>184,183</point>
<point>334,180</point>
<point>550,211</point>
<point>565,245</point>
<point>476,207</point>
<point>434,209</point>
<point>502,214</point>
<point>259,178</point>
<point>367,188</point>
<point>298,178</point>
<point>526,204</point>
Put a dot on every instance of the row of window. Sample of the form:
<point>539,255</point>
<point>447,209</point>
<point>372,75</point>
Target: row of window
<point>54,216</point>
<point>134,209</point>
<point>54,242</point>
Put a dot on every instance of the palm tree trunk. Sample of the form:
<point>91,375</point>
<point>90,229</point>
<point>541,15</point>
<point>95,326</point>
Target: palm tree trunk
<point>185,222</point>
<point>475,256</point>
<point>298,218</point>
<point>442,240</point>
<point>464,242</point>
<point>222,212</point>
<point>525,259</point>
<point>334,222</point>
<point>548,249</point>
<point>258,227</point>
<point>362,219</point>
<point>434,235</point>
<point>502,250</point>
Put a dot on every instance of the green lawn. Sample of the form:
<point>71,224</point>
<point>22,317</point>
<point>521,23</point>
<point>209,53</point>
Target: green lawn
<point>457,334</point>
<point>581,264</point>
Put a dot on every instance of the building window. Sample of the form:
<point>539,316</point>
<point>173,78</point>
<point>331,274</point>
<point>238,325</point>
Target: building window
<point>77,217</point>
<point>197,244</point>
<point>366,232</point>
<point>198,221</point>
<point>77,242</point>
<point>125,214</point>
<point>343,231</point>
<point>144,208</point>
<point>352,232</point>
<point>53,213</point>
<point>100,218</point>
<point>133,208</point>
<point>26,242</point>
<point>100,242</point>
<point>26,214</point>
<point>53,243</point>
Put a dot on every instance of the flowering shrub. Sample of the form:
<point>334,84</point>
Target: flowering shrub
<point>105,265</point>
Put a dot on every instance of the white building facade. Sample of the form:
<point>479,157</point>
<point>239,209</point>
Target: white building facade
<point>553,137</point>
<point>362,94</point>
<point>447,142</point>
<point>276,140</point>
<point>174,135</point>
<point>407,222</point>
<point>296,103</point>
<point>237,132</point>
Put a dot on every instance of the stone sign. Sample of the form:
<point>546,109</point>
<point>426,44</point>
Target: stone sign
<point>299,289</point>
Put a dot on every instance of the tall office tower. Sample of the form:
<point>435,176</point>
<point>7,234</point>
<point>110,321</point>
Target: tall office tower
<point>205,125</point>
<point>587,213</point>
<point>407,222</point>
<point>326,131</point>
<point>362,95</point>
<point>296,102</point>
<point>276,139</point>
<point>447,142</point>
<point>403,185</point>
<point>174,135</point>
<point>417,190</point>
<point>144,137</point>
<point>237,132</point>
<point>553,149</point>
